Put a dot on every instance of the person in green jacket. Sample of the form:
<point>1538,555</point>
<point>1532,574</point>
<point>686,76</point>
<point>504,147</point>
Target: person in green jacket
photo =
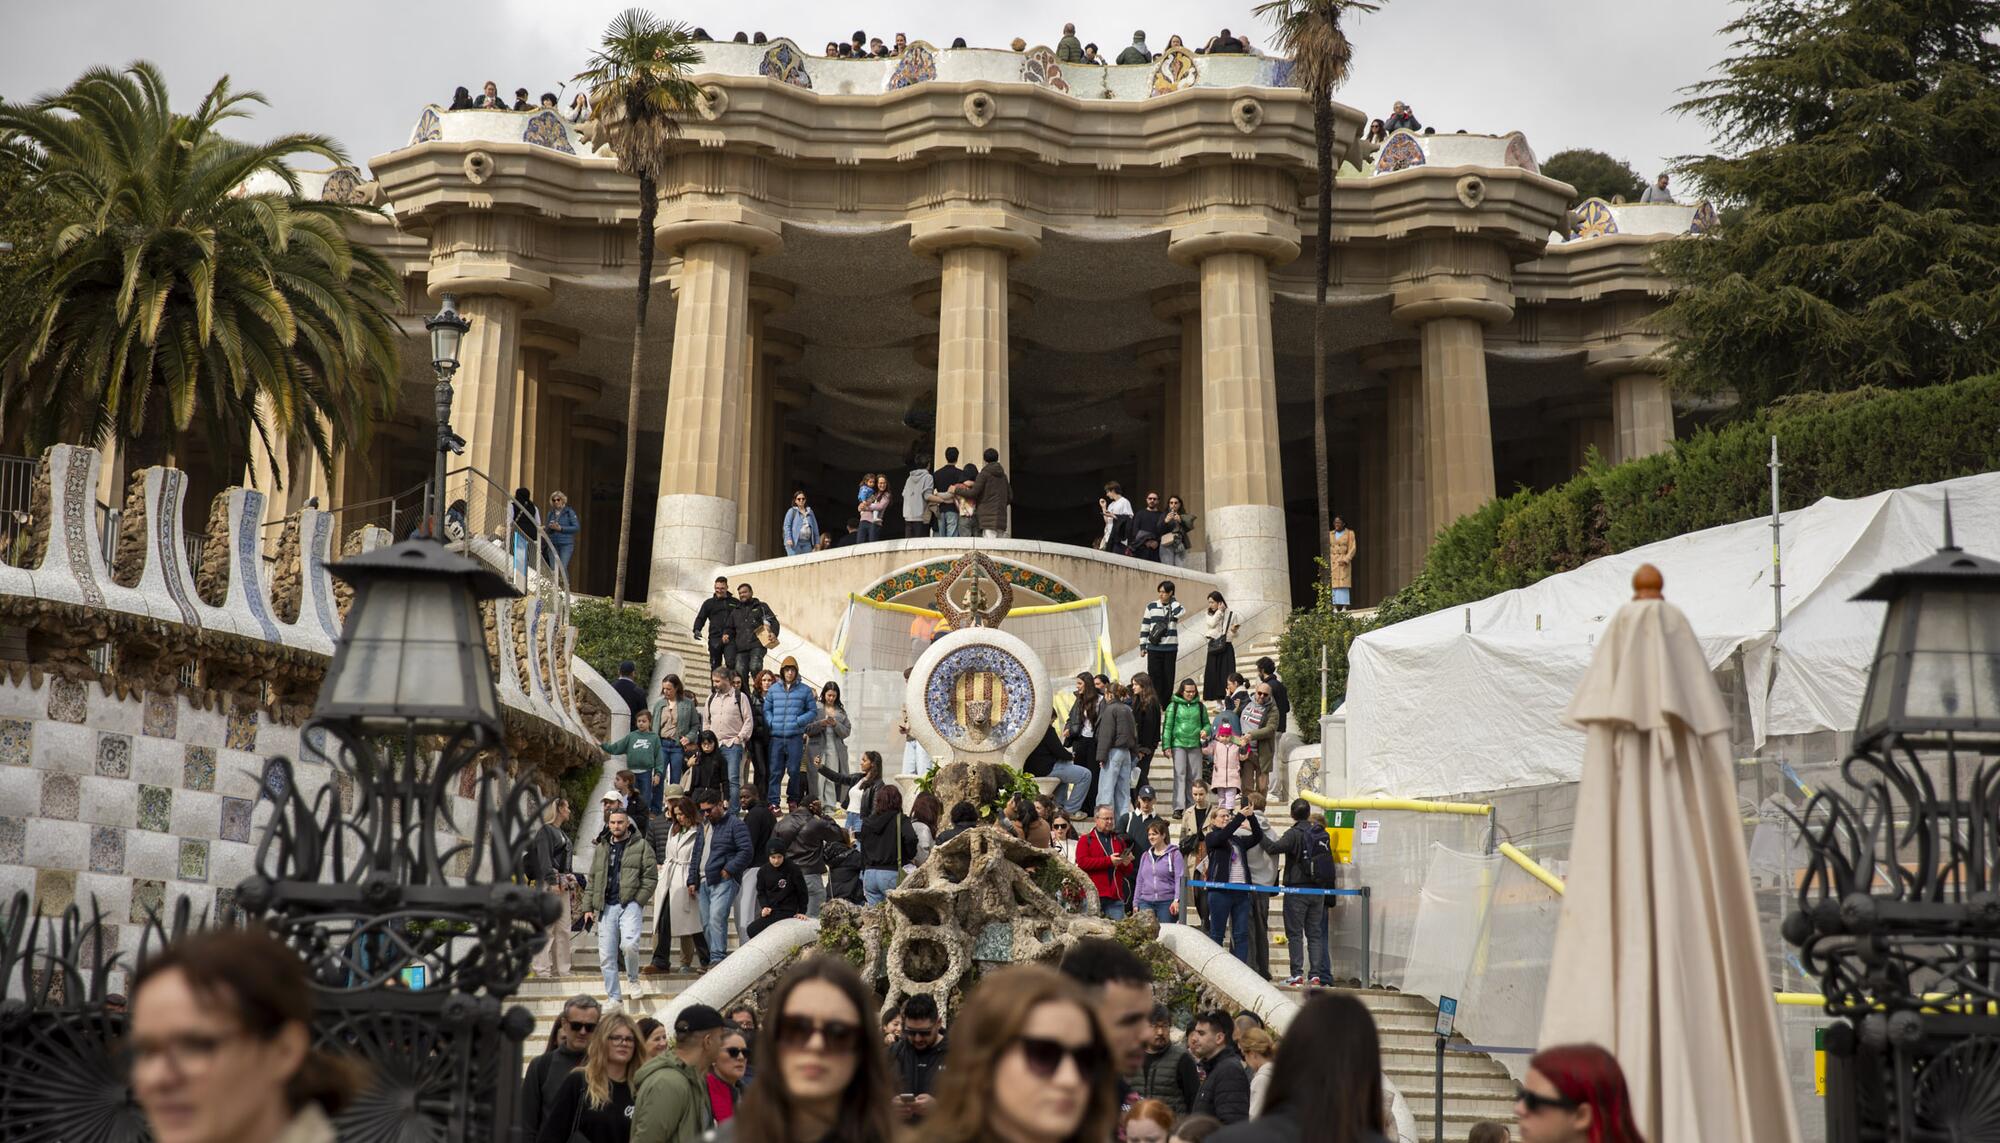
<point>670,1092</point>
<point>641,749</point>
<point>624,872</point>
<point>1183,728</point>
<point>679,723</point>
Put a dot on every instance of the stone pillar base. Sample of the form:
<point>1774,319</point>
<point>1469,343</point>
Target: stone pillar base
<point>693,537</point>
<point>1246,547</point>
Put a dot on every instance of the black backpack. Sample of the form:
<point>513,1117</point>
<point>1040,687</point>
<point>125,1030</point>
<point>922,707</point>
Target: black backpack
<point>1317,859</point>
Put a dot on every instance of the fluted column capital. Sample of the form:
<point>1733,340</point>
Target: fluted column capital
<point>961,226</point>
<point>684,224</point>
<point>489,277</point>
<point>1177,303</point>
<point>1274,240</point>
<point>1625,357</point>
<point>550,338</point>
<point>1391,358</point>
<point>1162,354</point>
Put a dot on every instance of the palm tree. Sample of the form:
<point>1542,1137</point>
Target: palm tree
<point>159,286</point>
<point>1309,32</point>
<point>638,91</point>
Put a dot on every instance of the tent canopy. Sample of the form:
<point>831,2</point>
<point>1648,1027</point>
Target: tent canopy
<point>1433,708</point>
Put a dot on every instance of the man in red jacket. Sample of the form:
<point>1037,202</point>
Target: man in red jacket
<point>1108,859</point>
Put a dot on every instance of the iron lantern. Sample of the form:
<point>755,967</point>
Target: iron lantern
<point>447,329</point>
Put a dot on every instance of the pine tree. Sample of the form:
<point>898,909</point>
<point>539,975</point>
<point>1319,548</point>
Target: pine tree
<point>1594,174</point>
<point>1861,184</point>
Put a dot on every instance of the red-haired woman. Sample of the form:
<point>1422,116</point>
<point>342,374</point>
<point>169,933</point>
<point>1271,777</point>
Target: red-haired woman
<point>1575,1093</point>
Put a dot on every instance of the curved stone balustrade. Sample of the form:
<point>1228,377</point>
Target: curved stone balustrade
<point>803,65</point>
<point>1405,149</point>
<point>261,635</point>
<point>1596,218</point>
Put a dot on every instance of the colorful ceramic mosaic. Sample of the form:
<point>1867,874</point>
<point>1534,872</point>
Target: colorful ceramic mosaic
<point>429,127</point>
<point>250,561</point>
<point>55,891</point>
<point>149,899</point>
<point>114,755</point>
<point>917,65</point>
<point>235,825</point>
<point>17,742</point>
<point>785,63</point>
<point>1705,219</point>
<point>68,701</point>
<point>277,783</point>
<point>343,185</point>
<point>312,745</point>
<point>77,532</point>
<point>166,549</point>
<point>162,715</point>
<point>928,574</point>
<point>1519,154</point>
<point>198,768</point>
<point>240,727</point>
<point>1593,219</point>
<point>59,797</point>
<point>194,860</point>
<point>468,781</point>
<point>316,570</point>
<point>545,129</point>
<point>107,849</point>
<point>1175,70</point>
<point>13,841</point>
<point>156,808</point>
<point>227,911</point>
<point>990,675</point>
<point>1039,67</point>
<point>1401,152</point>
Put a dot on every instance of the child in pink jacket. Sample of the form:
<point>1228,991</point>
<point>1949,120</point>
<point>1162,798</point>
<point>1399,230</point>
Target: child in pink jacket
<point>1225,751</point>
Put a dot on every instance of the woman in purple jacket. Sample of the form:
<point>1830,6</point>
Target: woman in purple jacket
<point>1158,888</point>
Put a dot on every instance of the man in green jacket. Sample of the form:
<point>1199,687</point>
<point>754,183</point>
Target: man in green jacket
<point>1069,49</point>
<point>623,874</point>
<point>641,749</point>
<point>670,1092</point>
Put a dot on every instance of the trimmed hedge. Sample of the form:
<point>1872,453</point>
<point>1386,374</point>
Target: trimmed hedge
<point>1846,445</point>
<point>607,635</point>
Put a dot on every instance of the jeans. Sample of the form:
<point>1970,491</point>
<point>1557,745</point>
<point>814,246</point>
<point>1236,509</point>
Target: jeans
<point>718,901</point>
<point>1114,780</point>
<point>1072,784</point>
<point>642,786</point>
<point>1112,907</point>
<point>1173,557</point>
<point>876,883</point>
<point>1305,920</point>
<point>732,769</point>
<point>564,552</point>
<point>870,531</point>
<point>815,892</point>
<point>994,533</point>
<point>618,927</point>
<point>785,750</point>
<point>1231,908</point>
<point>1187,771</point>
<point>672,761</point>
<point>947,521</point>
<point>1164,910</point>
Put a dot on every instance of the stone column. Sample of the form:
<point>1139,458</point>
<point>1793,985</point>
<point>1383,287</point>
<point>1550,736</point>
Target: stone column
<point>1164,413</point>
<point>745,432</point>
<point>1587,432</point>
<point>268,468</point>
<point>1450,291</point>
<point>975,245</point>
<point>541,344</point>
<point>1244,514</point>
<point>1185,468</point>
<point>766,298</point>
<point>558,461</point>
<point>701,455</point>
<point>1402,534</point>
<point>594,438</point>
<point>1374,536</point>
<point>1642,416</point>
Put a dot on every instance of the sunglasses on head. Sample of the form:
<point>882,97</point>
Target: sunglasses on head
<point>1045,1057</point>
<point>583,1026</point>
<point>1536,1101</point>
<point>837,1036</point>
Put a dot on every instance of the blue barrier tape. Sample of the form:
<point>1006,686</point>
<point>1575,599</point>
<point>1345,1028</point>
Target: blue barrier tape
<point>1242,888</point>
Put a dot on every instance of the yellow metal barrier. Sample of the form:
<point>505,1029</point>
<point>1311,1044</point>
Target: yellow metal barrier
<point>1532,867</point>
<point>1412,805</point>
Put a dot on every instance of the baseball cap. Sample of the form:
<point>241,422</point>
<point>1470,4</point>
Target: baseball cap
<point>1145,791</point>
<point>695,1019</point>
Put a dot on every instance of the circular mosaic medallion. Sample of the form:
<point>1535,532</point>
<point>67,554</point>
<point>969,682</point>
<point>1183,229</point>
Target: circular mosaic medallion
<point>978,692</point>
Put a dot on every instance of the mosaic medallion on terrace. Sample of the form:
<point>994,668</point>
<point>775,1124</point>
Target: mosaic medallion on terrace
<point>930,573</point>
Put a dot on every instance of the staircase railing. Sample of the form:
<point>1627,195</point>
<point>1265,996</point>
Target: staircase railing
<point>481,521</point>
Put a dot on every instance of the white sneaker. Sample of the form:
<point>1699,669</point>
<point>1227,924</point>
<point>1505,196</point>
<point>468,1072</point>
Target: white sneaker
<point>637,988</point>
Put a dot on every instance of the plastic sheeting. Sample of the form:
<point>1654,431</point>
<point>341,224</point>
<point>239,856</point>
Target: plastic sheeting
<point>1505,681</point>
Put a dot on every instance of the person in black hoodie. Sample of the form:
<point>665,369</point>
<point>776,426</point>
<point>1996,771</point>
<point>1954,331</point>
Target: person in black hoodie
<point>567,1045</point>
<point>781,893</point>
<point>1305,913</point>
<point>888,842</point>
<point>714,615</point>
<point>1225,1082</point>
<point>461,100</point>
<point>705,769</point>
<point>843,874</point>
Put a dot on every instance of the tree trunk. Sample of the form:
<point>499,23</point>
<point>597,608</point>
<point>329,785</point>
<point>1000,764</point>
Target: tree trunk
<point>1322,267</point>
<point>649,207</point>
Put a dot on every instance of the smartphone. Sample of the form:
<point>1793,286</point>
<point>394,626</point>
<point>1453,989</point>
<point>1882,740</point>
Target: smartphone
<point>415,977</point>
<point>906,1097</point>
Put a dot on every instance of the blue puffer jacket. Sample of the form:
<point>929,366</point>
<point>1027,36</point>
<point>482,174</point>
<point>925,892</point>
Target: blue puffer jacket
<point>729,849</point>
<point>789,709</point>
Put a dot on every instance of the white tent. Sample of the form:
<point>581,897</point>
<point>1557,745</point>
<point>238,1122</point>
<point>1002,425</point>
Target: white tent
<point>1436,707</point>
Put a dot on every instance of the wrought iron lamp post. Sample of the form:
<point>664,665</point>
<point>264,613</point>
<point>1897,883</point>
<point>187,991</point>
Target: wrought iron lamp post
<point>447,329</point>
<point>1899,906</point>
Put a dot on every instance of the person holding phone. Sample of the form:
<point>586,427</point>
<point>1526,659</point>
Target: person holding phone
<point>917,1058</point>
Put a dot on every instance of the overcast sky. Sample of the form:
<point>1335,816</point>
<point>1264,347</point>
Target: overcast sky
<point>1597,73</point>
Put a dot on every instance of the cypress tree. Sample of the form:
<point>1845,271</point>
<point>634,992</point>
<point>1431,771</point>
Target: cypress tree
<point>1860,184</point>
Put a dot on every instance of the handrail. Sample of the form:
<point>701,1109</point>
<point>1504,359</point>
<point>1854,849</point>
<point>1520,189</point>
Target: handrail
<point>1411,805</point>
<point>1532,867</point>
<point>549,578</point>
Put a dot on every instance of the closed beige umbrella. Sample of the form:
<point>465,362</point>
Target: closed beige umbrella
<point>1658,956</point>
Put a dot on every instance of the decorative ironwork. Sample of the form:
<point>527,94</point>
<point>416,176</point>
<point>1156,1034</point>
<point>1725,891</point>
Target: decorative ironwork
<point>1899,905</point>
<point>973,593</point>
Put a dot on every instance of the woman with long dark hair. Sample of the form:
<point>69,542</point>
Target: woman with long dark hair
<point>1146,712</point>
<point>887,844</point>
<point>220,1040</point>
<point>1574,1093</point>
<point>826,740</point>
<point>859,789</point>
<point>821,1074</point>
<point>594,1102</point>
<point>1080,735</point>
<point>1218,627</point>
<point>707,768</point>
<point>1326,1084</point>
<point>1028,1062</point>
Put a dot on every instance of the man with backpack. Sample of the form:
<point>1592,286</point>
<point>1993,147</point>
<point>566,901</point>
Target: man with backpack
<point>1308,853</point>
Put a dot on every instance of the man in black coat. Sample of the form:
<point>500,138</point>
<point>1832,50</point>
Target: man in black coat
<point>628,687</point>
<point>574,1029</point>
<point>1305,913</point>
<point>917,1057</point>
<point>714,615</point>
<point>1225,1082</point>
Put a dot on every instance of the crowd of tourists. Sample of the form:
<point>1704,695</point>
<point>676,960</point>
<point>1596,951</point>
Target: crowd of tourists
<point>1069,48</point>
<point>951,499</point>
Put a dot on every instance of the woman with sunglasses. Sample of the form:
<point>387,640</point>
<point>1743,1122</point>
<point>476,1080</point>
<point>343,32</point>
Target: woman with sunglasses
<point>821,1073</point>
<point>1328,1076</point>
<point>725,1077</point>
<point>1029,1063</point>
<point>1574,1093</point>
<point>594,1102</point>
<point>1060,835</point>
